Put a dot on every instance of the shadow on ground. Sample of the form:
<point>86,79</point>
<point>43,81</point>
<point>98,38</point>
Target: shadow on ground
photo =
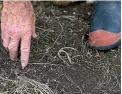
<point>61,61</point>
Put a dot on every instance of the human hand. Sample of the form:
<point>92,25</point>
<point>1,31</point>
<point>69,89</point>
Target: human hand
<point>18,25</point>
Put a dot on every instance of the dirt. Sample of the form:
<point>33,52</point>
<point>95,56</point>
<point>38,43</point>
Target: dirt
<point>61,61</point>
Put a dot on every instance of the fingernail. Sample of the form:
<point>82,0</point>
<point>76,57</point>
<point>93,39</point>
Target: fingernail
<point>13,57</point>
<point>34,35</point>
<point>23,64</point>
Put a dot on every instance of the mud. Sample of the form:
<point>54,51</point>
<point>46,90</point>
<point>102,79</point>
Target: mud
<point>61,61</point>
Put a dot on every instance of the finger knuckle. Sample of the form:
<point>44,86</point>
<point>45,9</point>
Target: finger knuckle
<point>12,48</point>
<point>26,49</point>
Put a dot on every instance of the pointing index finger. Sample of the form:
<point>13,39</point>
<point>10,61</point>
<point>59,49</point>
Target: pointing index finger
<point>25,50</point>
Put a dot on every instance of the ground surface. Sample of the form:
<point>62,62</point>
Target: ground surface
<point>61,61</point>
